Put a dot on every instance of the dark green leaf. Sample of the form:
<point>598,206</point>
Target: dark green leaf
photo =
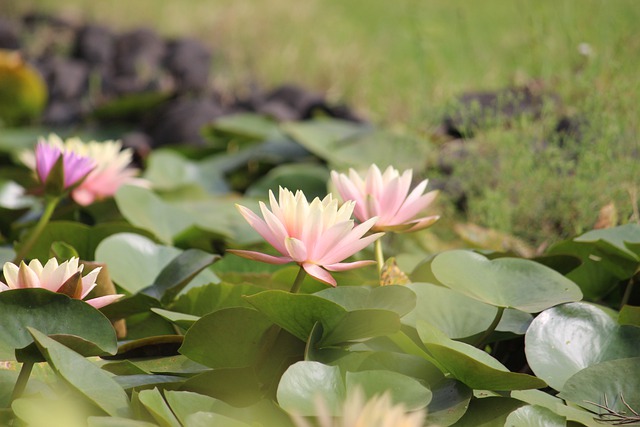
<point>178,273</point>
<point>227,338</point>
<point>612,380</point>
<point>629,315</point>
<point>236,386</point>
<point>73,322</point>
<point>399,299</point>
<point>488,412</point>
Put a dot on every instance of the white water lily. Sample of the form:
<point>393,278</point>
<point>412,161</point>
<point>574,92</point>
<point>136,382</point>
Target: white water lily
<point>378,411</point>
<point>52,276</point>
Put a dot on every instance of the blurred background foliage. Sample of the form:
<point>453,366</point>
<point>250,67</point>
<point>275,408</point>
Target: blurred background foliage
<point>402,64</point>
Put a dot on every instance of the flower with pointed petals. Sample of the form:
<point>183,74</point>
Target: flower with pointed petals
<point>74,166</point>
<point>64,278</point>
<point>379,411</point>
<point>111,169</point>
<point>316,235</point>
<point>387,197</point>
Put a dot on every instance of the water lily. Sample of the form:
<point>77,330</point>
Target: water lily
<point>111,167</point>
<point>387,197</point>
<point>74,166</point>
<point>379,411</point>
<point>318,235</point>
<point>63,278</point>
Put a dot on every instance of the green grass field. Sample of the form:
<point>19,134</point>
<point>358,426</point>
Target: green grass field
<point>400,63</point>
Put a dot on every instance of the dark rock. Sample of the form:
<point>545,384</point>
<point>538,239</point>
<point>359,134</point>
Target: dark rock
<point>291,102</point>
<point>181,121</point>
<point>477,110</point>
<point>96,45</point>
<point>570,129</point>
<point>140,143</point>
<point>139,53</point>
<point>62,112</point>
<point>189,62</point>
<point>66,78</point>
<point>9,35</point>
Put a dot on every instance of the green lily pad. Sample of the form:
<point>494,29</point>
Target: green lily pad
<point>399,299</point>
<point>534,416</point>
<point>472,366</point>
<point>488,412</point>
<point>403,389</point>
<point>93,383</point>
<point>504,282</point>
<point>227,338</point>
<point>136,262</point>
<point>629,315</point>
<point>158,408</point>
<point>566,339</point>
<point>622,239</point>
<point>305,382</point>
<point>460,316</point>
<point>71,321</point>
<point>613,380</point>
<point>298,313</point>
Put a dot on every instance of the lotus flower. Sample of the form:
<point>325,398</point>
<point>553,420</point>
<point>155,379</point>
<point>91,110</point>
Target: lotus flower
<point>379,411</point>
<point>316,235</point>
<point>387,197</point>
<point>111,169</point>
<point>53,277</point>
<point>75,167</point>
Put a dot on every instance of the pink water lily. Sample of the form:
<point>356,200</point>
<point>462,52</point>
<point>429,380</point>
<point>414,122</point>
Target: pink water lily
<point>52,277</point>
<point>109,171</point>
<point>317,235</point>
<point>387,197</point>
<point>75,166</point>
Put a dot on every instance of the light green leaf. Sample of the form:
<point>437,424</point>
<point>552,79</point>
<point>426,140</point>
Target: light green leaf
<point>566,339</point>
<point>305,382</point>
<point>459,316</point>
<point>534,416</point>
<point>92,382</point>
<point>158,408</point>
<point>403,389</point>
<point>504,282</point>
<point>472,366</point>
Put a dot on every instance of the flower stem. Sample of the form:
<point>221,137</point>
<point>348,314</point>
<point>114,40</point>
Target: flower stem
<point>49,207</point>
<point>492,327</point>
<point>379,256</point>
<point>23,378</point>
<point>627,291</point>
<point>298,281</point>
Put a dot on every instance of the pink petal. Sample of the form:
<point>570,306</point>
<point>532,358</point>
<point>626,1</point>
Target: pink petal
<point>424,222</point>
<point>319,273</point>
<point>46,157</point>
<point>76,167</point>
<point>331,238</point>
<point>262,228</point>
<point>349,191</point>
<point>414,205</point>
<point>105,300</point>
<point>259,256</point>
<point>296,249</point>
<point>344,266</point>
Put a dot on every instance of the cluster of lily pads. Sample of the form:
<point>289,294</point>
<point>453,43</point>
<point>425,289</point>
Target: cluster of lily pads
<point>159,300</point>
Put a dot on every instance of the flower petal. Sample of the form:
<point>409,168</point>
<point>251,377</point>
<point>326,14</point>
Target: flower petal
<point>344,266</point>
<point>100,302</point>
<point>259,256</point>
<point>296,249</point>
<point>319,273</point>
